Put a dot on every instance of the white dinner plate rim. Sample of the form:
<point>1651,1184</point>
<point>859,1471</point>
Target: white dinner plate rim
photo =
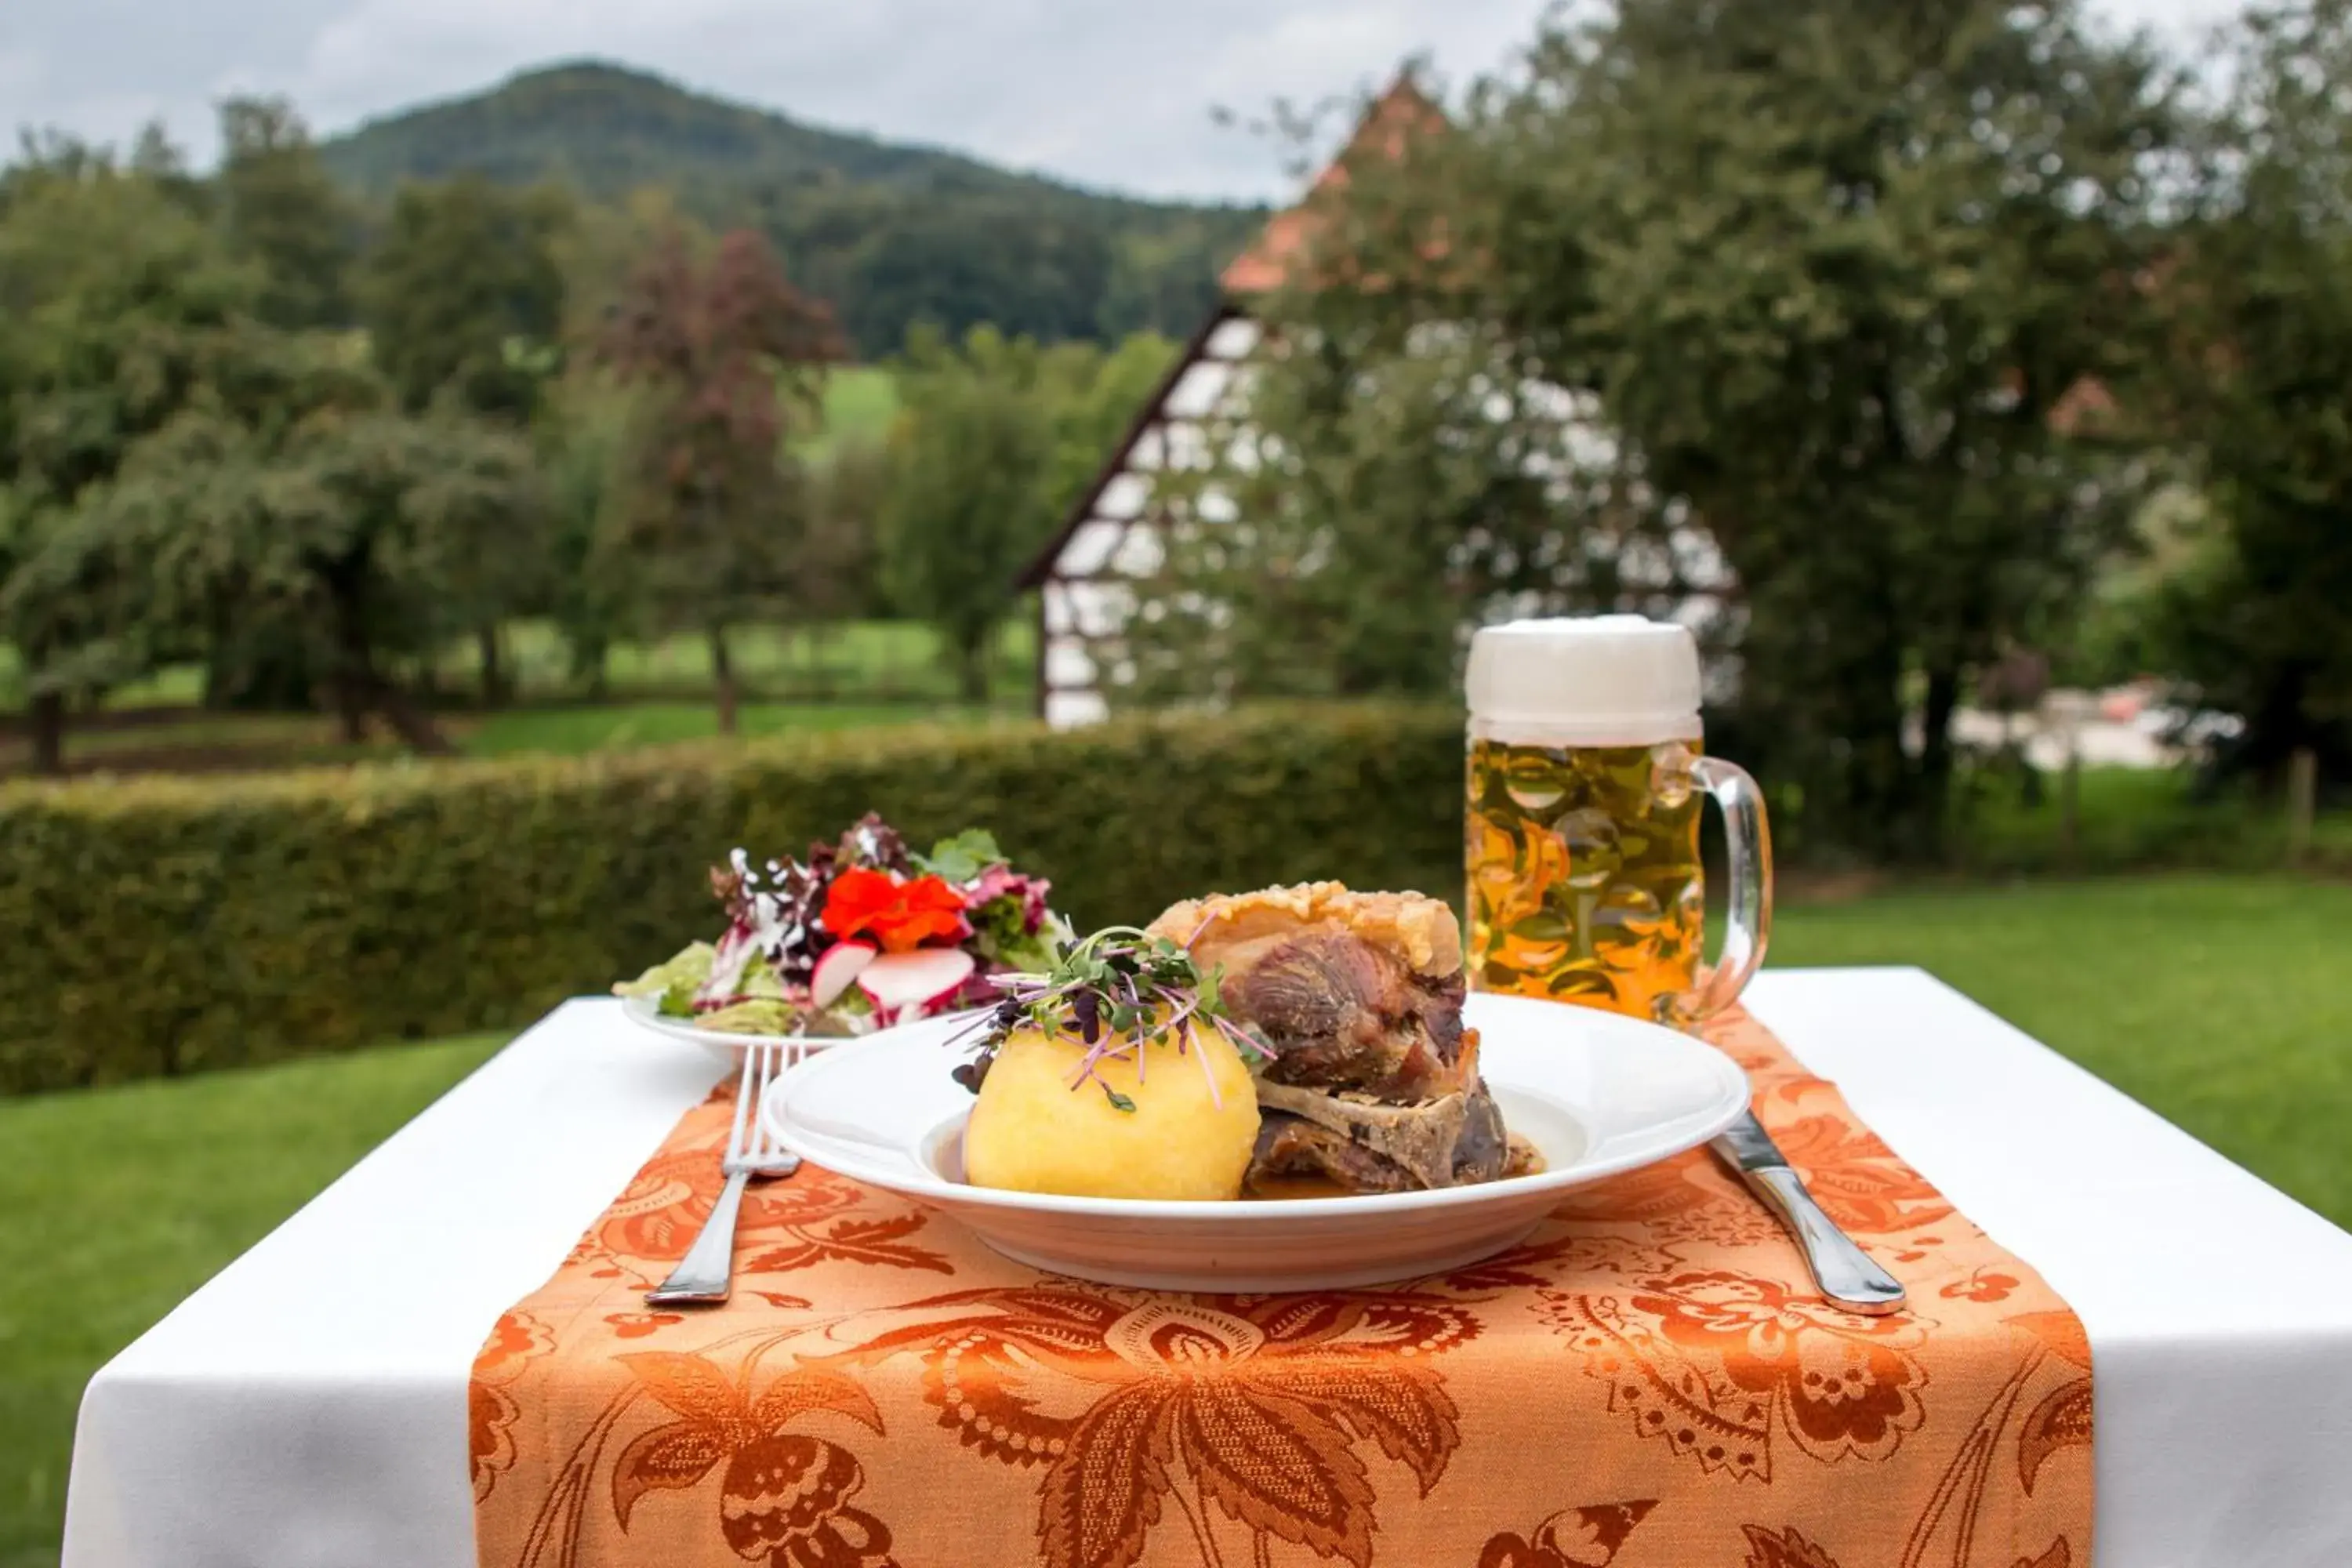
<point>913,1182</point>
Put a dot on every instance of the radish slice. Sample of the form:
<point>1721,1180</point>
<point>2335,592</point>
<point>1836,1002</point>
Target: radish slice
<point>841,964</point>
<point>904,983</point>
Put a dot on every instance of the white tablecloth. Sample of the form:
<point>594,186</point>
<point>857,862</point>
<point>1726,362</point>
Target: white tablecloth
<point>308,1406</point>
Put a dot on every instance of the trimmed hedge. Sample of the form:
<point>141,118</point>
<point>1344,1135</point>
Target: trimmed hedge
<point>172,925</point>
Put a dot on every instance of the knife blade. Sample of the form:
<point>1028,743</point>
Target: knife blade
<point>1845,1273</point>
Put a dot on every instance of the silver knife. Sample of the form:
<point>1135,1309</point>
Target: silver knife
<point>1843,1271</point>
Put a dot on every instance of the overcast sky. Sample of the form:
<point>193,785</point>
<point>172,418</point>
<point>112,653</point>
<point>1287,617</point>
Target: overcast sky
<point>1108,92</point>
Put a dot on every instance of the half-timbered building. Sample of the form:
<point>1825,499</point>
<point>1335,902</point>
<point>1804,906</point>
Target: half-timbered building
<point>1116,534</point>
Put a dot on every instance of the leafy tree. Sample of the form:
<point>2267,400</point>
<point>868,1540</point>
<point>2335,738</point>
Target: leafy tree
<point>282,211</point>
<point>723,354</point>
<point>117,305</point>
<point>304,499</point>
<point>465,282</point>
<point>967,501</point>
<point>840,559</point>
<point>584,432</point>
<point>1091,398</point>
<point>1822,275</point>
<point>1368,506</point>
<point>463,299</point>
<point>2259,290</point>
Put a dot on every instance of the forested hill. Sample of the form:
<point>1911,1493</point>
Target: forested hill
<point>889,234</point>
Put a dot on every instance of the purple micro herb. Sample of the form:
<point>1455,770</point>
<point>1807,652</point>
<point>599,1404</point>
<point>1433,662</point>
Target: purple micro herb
<point>1116,990</point>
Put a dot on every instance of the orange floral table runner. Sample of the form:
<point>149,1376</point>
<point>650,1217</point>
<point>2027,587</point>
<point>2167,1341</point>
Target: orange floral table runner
<point>1648,1382</point>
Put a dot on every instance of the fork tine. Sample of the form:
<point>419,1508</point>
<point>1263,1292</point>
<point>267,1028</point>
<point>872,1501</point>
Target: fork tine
<point>736,1147</point>
<point>762,1144</point>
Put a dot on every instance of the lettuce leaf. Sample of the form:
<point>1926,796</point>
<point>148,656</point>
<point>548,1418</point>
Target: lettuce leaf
<point>678,976</point>
<point>963,856</point>
<point>765,1015</point>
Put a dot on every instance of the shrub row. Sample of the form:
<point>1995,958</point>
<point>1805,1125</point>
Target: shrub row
<point>173,925</point>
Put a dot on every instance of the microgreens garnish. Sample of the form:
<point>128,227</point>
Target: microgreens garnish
<point>1115,991</point>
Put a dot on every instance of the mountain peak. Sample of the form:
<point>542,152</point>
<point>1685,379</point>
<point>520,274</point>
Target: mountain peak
<point>889,232</point>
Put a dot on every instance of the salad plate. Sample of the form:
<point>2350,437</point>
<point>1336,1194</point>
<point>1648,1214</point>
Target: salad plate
<point>863,933</point>
<point>1595,1094</point>
<point>727,1045</point>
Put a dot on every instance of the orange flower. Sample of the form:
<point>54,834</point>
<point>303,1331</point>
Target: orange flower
<point>899,916</point>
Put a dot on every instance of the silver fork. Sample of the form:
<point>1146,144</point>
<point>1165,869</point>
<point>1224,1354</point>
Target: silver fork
<point>706,1273</point>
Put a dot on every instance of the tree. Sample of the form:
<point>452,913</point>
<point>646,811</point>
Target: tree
<point>1822,275</point>
<point>282,211</point>
<point>967,501</point>
<point>461,289</point>
<point>724,353</point>
<point>2258,292</point>
<point>1367,504</point>
<point>584,430</point>
<point>116,306</point>
<point>1091,397</point>
<point>840,558</point>
<point>463,299</point>
<point>304,499</point>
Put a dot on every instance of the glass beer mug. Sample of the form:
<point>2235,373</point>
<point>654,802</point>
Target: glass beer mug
<point>1585,782</point>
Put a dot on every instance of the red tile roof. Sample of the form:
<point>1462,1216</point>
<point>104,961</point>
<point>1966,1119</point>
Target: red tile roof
<point>1401,111</point>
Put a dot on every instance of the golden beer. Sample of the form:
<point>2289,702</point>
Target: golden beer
<point>1584,876</point>
<point>1580,833</point>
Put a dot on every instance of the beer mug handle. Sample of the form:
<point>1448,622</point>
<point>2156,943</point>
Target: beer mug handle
<point>1749,929</point>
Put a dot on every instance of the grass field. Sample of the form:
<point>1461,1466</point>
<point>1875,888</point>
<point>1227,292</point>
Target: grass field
<point>860,400</point>
<point>119,1202</point>
<point>831,678</point>
<point>2131,820</point>
<point>2222,1002</point>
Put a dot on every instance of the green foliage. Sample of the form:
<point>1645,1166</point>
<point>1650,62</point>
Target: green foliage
<point>464,291</point>
<point>1821,274</point>
<point>117,305</point>
<point>170,926</point>
<point>890,234</point>
<point>1385,506</point>
<point>281,211</point>
<point>995,439</point>
<point>839,562</point>
<point>966,502</point>
<point>2260,383</point>
<point>584,446</point>
<point>349,527</point>
<point>1091,398</point>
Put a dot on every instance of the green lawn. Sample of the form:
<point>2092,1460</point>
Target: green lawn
<point>121,1201</point>
<point>2222,1002</point>
<point>2130,819</point>
<point>851,660</point>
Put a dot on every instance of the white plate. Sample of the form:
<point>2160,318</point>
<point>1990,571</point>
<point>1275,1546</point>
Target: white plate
<point>645,1011</point>
<point>1597,1093</point>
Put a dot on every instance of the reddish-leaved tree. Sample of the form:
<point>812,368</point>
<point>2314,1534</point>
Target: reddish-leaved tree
<point>725,355</point>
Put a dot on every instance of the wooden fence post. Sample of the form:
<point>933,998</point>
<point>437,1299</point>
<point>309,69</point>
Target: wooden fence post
<point>2070,803</point>
<point>2302,803</point>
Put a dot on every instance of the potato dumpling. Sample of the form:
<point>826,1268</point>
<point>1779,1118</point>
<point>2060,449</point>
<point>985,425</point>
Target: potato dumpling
<point>1031,1132</point>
